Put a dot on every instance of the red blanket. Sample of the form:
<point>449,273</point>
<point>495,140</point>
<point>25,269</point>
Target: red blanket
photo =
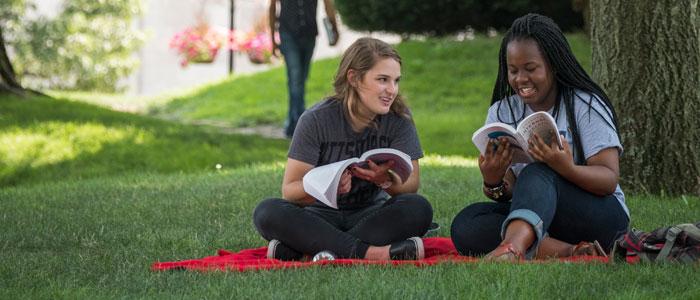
<point>437,250</point>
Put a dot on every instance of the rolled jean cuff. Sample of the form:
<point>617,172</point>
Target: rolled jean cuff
<point>531,218</point>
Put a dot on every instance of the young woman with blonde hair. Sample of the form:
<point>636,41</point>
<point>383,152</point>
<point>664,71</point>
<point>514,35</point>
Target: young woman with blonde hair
<point>379,216</point>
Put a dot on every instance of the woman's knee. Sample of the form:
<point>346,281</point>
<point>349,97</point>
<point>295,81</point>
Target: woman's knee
<point>474,231</point>
<point>424,207</point>
<point>537,169</point>
<point>536,179</point>
<point>268,211</point>
<point>419,206</point>
<point>464,221</point>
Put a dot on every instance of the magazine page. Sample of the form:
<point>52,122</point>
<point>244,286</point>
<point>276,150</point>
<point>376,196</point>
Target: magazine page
<point>542,124</point>
<point>322,182</point>
<point>481,137</point>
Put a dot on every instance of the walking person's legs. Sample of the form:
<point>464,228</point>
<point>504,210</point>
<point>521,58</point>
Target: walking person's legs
<point>297,54</point>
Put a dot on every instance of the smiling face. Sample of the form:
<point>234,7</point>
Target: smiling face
<point>530,75</point>
<point>378,87</point>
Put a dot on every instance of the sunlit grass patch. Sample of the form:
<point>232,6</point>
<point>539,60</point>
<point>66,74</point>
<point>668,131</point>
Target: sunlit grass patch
<point>448,161</point>
<point>55,142</point>
<point>50,139</point>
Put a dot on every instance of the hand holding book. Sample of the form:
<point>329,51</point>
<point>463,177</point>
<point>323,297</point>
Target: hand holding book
<point>324,182</point>
<point>539,123</point>
<point>495,162</point>
<point>331,31</point>
<point>345,183</point>
<point>368,171</point>
<point>554,155</point>
<point>376,173</point>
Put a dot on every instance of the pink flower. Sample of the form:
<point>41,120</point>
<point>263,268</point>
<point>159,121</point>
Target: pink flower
<point>198,44</point>
<point>202,43</point>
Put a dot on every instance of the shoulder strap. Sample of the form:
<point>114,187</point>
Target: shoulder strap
<point>691,230</point>
<point>671,235</point>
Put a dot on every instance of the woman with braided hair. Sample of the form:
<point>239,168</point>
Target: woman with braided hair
<point>568,202</point>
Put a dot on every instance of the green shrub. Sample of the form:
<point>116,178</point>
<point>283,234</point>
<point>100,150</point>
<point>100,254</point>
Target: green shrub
<point>87,46</point>
<point>441,17</point>
<point>436,17</point>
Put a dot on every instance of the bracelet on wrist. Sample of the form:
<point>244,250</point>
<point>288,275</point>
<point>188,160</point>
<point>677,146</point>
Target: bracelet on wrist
<point>495,192</point>
<point>500,183</point>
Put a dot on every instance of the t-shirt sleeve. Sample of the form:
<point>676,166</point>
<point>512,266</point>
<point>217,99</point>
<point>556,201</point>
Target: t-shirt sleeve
<point>406,139</point>
<point>595,126</point>
<point>491,116</point>
<point>305,145</point>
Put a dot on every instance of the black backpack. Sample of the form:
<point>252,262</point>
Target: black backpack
<point>677,243</point>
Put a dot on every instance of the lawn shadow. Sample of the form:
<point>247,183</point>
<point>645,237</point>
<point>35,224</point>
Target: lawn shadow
<point>49,139</point>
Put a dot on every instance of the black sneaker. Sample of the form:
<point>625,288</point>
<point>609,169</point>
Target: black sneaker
<point>277,250</point>
<point>432,230</point>
<point>409,249</point>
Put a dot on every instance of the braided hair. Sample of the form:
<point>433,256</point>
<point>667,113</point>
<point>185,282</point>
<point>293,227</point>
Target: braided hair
<point>568,73</point>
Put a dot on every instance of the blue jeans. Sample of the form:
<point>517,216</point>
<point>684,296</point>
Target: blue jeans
<point>297,54</point>
<point>347,233</point>
<point>551,204</point>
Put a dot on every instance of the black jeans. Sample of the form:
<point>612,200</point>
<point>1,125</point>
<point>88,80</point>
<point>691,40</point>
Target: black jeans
<point>347,233</point>
<point>551,204</point>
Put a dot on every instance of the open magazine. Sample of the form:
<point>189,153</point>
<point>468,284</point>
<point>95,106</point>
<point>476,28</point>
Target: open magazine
<point>322,182</point>
<point>540,122</point>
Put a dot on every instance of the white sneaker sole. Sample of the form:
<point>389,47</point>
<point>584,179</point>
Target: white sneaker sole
<point>271,247</point>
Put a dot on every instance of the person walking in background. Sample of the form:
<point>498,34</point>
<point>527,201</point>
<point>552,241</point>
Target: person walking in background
<point>297,29</point>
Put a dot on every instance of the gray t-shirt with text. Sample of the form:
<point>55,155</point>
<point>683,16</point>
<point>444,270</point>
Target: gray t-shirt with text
<point>324,135</point>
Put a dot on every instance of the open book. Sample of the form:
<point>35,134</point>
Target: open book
<point>540,122</point>
<point>322,182</point>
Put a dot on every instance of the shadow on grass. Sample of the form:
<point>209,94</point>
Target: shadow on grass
<point>248,100</point>
<point>48,139</point>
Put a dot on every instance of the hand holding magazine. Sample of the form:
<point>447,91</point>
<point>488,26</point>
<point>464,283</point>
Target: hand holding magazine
<point>332,37</point>
<point>322,182</point>
<point>540,123</point>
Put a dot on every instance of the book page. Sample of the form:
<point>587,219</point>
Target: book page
<point>322,182</point>
<point>481,137</point>
<point>543,125</point>
<point>402,162</point>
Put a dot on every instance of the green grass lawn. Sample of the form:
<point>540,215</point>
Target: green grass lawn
<point>98,237</point>
<point>91,197</point>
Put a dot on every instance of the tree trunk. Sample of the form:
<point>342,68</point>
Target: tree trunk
<point>646,55</point>
<point>8,81</point>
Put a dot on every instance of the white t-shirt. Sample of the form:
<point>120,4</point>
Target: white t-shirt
<point>594,122</point>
